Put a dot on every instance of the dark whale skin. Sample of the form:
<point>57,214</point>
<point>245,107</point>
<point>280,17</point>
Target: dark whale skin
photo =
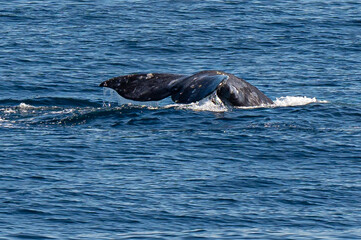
<point>232,90</point>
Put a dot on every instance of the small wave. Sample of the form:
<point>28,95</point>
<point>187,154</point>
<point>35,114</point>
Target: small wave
<point>26,106</point>
<point>49,102</point>
<point>25,115</point>
<point>5,123</point>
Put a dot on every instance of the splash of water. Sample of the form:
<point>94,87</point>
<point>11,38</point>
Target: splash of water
<point>211,103</point>
<point>26,106</point>
<point>289,101</point>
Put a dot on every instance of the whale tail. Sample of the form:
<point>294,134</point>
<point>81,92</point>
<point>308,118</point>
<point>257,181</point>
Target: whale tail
<point>157,86</point>
<point>143,87</point>
<point>230,89</point>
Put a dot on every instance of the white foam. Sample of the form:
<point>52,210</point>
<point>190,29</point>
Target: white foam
<point>9,110</point>
<point>198,106</point>
<point>26,106</point>
<point>211,103</point>
<point>289,101</point>
<point>21,107</point>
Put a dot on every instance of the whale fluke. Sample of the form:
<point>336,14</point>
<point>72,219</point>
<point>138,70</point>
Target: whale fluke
<point>143,87</point>
<point>232,91</point>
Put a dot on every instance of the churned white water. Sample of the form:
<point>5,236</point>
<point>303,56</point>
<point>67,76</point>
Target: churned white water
<point>295,101</point>
<point>211,103</point>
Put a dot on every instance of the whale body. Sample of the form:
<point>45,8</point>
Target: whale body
<point>231,90</point>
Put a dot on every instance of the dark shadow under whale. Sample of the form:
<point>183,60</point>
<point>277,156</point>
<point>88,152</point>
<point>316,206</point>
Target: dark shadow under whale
<point>231,90</point>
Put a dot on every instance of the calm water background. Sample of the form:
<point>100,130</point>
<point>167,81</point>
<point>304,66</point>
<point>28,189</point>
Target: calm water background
<point>73,169</point>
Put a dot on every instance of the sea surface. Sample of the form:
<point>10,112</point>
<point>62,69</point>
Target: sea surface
<point>79,162</point>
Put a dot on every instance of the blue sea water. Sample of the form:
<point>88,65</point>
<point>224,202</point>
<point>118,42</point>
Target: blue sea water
<point>80,164</point>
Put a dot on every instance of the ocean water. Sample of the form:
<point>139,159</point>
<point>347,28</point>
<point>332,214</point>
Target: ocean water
<point>78,162</point>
